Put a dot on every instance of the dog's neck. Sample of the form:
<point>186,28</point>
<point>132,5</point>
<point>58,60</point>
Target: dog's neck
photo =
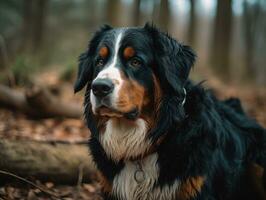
<point>128,140</point>
<point>124,141</point>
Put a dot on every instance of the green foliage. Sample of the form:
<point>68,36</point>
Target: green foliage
<point>23,69</point>
<point>68,73</point>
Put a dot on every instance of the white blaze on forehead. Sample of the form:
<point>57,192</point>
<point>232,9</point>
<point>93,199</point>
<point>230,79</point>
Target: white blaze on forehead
<point>111,71</point>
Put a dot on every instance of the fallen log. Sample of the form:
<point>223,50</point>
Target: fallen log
<point>58,162</point>
<point>15,100</point>
<point>38,102</point>
<point>43,101</point>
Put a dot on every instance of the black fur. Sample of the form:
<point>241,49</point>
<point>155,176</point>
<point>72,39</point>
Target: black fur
<point>85,71</point>
<point>173,62</point>
<point>205,137</point>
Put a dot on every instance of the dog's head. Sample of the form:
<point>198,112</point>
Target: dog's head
<point>134,73</point>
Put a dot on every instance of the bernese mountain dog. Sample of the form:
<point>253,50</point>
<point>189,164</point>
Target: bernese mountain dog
<point>155,135</point>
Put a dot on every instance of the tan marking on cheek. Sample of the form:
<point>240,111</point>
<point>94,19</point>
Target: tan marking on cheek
<point>103,52</point>
<point>138,95</point>
<point>131,95</point>
<point>190,187</point>
<point>124,102</point>
<point>129,52</point>
<point>123,95</point>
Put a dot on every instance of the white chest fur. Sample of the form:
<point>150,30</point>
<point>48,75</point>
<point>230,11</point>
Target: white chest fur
<point>121,140</point>
<point>126,187</point>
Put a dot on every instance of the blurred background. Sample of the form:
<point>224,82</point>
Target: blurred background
<point>229,36</point>
<point>40,41</point>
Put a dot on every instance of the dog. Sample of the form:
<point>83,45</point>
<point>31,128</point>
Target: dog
<point>155,135</point>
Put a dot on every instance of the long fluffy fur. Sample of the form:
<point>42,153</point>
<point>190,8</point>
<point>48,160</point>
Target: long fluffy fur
<point>206,146</point>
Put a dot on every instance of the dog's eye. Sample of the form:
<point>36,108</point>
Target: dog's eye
<point>135,62</point>
<point>99,62</point>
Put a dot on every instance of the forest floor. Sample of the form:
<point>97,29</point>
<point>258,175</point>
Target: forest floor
<point>15,125</point>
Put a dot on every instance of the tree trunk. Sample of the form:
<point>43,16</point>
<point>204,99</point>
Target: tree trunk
<point>27,25</point>
<point>113,12</point>
<point>192,23</point>
<point>254,35</point>
<point>136,13</point>
<point>46,161</point>
<point>3,55</point>
<point>39,23</point>
<point>165,15</point>
<point>220,59</point>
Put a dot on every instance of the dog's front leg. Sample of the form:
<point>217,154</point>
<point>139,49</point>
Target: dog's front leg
<point>108,169</point>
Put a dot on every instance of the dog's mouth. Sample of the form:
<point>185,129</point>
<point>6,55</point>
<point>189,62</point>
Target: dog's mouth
<point>113,113</point>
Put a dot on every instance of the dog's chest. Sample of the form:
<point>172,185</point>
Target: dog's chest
<point>123,141</point>
<point>138,181</point>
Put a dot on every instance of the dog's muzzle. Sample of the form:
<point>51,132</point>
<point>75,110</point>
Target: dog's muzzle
<point>103,92</point>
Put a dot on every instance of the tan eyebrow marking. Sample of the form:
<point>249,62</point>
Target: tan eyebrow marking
<point>103,52</point>
<point>129,52</point>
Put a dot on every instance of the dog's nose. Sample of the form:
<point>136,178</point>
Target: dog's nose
<point>102,87</point>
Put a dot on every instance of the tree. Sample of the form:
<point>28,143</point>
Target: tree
<point>136,13</point>
<point>34,14</point>
<point>192,23</point>
<point>254,35</point>
<point>27,23</point>
<point>164,15</point>
<point>39,23</point>
<point>113,12</point>
<point>221,39</point>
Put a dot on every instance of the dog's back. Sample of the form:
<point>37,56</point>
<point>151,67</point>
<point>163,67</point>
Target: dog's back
<point>252,184</point>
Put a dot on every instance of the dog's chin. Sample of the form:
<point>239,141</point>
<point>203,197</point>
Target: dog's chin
<point>114,113</point>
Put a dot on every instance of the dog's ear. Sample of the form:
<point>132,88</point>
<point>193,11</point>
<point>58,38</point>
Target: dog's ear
<point>173,60</point>
<point>85,68</point>
<point>172,64</point>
